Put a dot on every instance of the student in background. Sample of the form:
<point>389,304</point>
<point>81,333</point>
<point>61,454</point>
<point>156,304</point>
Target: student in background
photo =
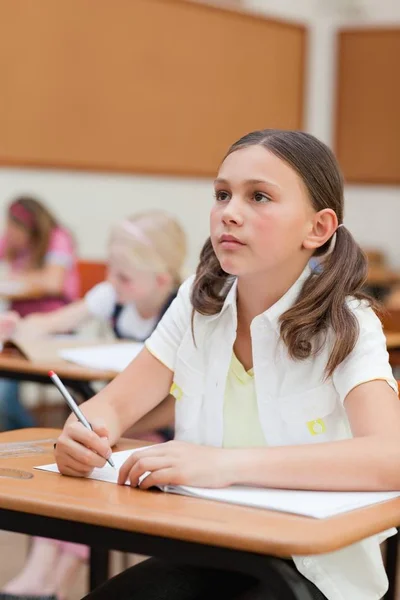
<point>281,373</point>
<point>146,253</point>
<point>145,259</point>
<point>40,255</point>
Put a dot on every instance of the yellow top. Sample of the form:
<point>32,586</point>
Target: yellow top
<point>242,428</point>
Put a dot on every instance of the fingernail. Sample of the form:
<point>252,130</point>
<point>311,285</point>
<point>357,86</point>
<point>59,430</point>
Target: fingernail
<point>109,453</point>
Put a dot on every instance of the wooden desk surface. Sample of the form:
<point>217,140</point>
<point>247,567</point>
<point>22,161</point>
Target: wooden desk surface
<point>12,360</point>
<point>173,516</point>
<point>382,276</point>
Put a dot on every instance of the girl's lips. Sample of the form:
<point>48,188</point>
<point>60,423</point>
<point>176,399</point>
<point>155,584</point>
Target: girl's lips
<point>230,239</point>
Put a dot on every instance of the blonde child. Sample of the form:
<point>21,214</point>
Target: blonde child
<point>146,253</point>
<point>281,371</point>
<point>145,258</point>
<point>40,255</point>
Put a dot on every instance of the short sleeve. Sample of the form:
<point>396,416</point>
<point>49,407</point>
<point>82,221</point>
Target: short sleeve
<point>167,337</point>
<point>61,249</point>
<point>101,300</point>
<point>369,360</point>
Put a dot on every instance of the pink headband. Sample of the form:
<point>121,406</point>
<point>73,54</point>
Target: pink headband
<point>22,214</point>
<point>137,233</point>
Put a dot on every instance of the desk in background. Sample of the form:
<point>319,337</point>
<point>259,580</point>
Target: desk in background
<point>14,365</point>
<point>189,530</point>
<point>382,276</point>
<point>393,346</point>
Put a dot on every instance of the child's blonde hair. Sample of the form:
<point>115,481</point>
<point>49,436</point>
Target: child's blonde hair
<point>150,241</point>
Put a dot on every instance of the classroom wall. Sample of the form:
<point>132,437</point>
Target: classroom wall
<point>89,203</point>
<point>371,212</point>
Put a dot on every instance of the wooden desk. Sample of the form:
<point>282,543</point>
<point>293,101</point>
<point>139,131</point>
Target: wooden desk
<point>393,346</point>
<point>13,365</point>
<point>189,530</point>
<point>381,276</point>
<point>392,339</point>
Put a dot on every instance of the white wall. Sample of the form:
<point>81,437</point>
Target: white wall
<point>372,213</point>
<point>90,202</point>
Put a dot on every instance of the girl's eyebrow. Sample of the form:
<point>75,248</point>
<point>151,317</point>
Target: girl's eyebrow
<point>220,180</point>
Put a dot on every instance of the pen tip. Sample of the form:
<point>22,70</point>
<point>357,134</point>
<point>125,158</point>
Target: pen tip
<point>51,373</point>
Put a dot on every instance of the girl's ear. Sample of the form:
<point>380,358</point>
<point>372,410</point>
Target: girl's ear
<point>324,225</point>
<point>163,279</point>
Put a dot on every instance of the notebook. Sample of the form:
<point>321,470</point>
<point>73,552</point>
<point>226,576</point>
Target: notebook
<point>47,348</point>
<point>319,505</point>
<point>112,357</point>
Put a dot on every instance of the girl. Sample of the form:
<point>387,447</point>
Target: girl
<point>281,373</point>
<point>40,255</point>
<point>145,259</point>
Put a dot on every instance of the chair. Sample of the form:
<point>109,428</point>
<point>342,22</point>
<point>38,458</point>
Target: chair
<point>376,258</point>
<point>391,320</point>
<point>90,273</point>
<point>381,278</point>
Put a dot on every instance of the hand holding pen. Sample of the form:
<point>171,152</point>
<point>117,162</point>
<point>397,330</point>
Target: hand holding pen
<point>73,406</point>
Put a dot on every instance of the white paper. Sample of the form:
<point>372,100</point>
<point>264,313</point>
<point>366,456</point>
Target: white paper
<point>319,505</point>
<point>9,287</point>
<point>106,473</point>
<point>110,357</point>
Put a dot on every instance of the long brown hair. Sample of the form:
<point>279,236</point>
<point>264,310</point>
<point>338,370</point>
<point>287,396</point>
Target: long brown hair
<point>322,302</point>
<point>37,220</point>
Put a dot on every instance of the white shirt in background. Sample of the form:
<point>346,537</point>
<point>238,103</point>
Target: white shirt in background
<point>101,301</point>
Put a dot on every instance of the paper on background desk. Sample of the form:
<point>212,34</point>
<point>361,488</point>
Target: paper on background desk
<point>110,357</point>
<point>319,505</point>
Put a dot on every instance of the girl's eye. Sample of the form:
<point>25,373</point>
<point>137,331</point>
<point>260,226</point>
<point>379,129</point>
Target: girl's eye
<point>221,196</point>
<point>260,198</point>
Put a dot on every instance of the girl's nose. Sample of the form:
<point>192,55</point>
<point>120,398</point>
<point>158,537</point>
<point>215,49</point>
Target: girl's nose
<point>233,213</point>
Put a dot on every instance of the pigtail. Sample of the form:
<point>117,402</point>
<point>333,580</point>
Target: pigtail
<point>322,304</point>
<point>208,287</point>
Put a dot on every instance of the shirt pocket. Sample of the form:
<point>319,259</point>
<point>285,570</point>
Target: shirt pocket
<point>187,389</point>
<point>308,417</point>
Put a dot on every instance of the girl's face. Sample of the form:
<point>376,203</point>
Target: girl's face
<point>132,287</point>
<point>18,238</point>
<point>262,214</point>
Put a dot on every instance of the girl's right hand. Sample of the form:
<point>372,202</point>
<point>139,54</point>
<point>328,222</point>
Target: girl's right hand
<point>79,450</point>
